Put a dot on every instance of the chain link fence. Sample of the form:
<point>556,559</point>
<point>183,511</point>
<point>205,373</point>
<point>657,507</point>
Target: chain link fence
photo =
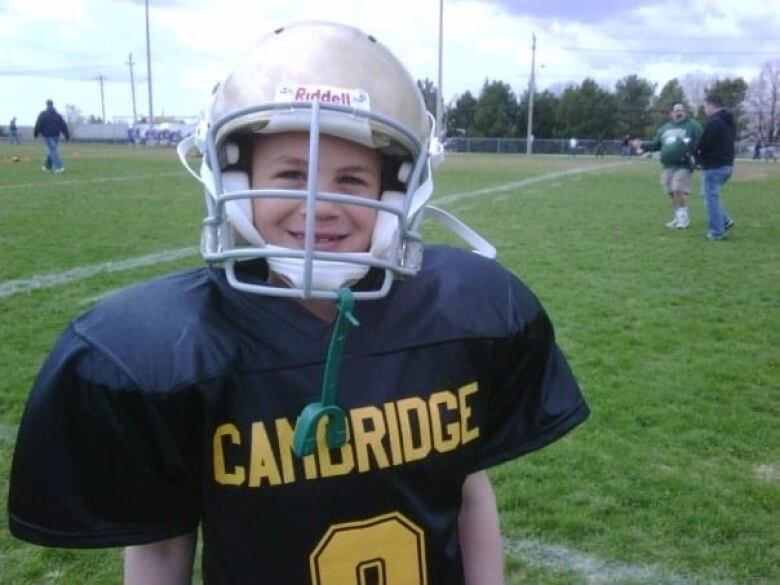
<point>540,146</point>
<point>585,146</point>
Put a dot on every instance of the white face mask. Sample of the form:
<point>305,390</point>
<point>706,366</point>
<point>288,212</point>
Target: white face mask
<point>231,236</point>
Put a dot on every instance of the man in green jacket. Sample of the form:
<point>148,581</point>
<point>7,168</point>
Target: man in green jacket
<point>677,141</point>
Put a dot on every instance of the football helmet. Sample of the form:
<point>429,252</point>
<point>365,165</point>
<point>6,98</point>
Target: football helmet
<point>318,78</point>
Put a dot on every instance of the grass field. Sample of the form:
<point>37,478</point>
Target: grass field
<point>676,341</point>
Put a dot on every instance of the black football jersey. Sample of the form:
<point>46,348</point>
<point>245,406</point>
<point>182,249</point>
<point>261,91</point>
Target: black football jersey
<point>172,404</point>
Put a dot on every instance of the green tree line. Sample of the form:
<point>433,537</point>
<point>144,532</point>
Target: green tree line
<point>584,110</point>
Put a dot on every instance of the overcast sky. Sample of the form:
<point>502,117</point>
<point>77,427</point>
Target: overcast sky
<point>60,49</point>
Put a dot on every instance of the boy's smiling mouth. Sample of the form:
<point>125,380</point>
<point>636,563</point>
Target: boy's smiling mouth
<point>322,240</point>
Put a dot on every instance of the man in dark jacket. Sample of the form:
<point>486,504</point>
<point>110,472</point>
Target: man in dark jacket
<point>715,154</point>
<point>50,125</point>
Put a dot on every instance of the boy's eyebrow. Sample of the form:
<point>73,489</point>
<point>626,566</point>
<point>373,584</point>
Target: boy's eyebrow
<point>290,160</point>
<point>298,161</point>
<point>356,169</point>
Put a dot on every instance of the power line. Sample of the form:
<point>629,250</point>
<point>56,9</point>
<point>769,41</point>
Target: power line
<point>17,71</point>
<point>86,73</point>
<point>531,91</point>
<point>671,52</point>
<point>149,67</point>
<point>132,88</point>
<point>692,39</point>
<point>101,79</point>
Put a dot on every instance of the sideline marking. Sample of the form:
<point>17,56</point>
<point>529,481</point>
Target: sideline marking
<point>12,287</point>
<point>561,559</point>
<point>523,183</point>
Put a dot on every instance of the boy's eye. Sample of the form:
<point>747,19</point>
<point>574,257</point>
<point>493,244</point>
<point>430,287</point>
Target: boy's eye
<point>352,180</point>
<point>291,175</point>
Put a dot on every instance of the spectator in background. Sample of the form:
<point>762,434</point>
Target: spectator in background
<point>134,135</point>
<point>50,125</point>
<point>572,147</point>
<point>757,150</point>
<point>625,147</point>
<point>13,132</point>
<point>715,154</point>
<point>677,140</point>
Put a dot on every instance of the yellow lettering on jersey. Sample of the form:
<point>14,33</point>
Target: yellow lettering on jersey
<point>329,467</point>
<point>221,474</point>
<point>262,463</point>
<point>416,444</point>
<point>393,433</point>
<point>382,436</point>
<point>284,434</point>
<point>467,433</point>
<point>438,402</point>
<point>368,428</point>
<point>384,550</point>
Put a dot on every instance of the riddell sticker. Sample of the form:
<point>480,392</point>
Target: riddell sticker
<point>351,98</point>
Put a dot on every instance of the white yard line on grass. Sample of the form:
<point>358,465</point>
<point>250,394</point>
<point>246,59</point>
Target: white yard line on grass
<point>592,570</point>
<point>522,183</point>
<point>12,287</point>
<point>8,433</point>
<point>66,182</point>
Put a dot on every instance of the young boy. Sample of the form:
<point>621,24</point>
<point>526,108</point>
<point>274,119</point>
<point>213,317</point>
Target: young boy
<point>192,400</point>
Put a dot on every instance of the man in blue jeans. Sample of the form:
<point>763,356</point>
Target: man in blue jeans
<point>50,125</point>
<point>715,154</point>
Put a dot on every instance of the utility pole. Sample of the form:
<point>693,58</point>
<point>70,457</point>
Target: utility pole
<point>439,93</point>
<point>132,88</point>
<point>531,90</point>
<point>149,67</point>
<point>102,98</point>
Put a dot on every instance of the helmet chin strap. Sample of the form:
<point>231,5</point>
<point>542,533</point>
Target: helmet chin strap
<point>336,433</point>
<point>326,274</point>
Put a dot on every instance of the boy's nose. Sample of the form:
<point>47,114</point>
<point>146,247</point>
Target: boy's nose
<point>322,209</point>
